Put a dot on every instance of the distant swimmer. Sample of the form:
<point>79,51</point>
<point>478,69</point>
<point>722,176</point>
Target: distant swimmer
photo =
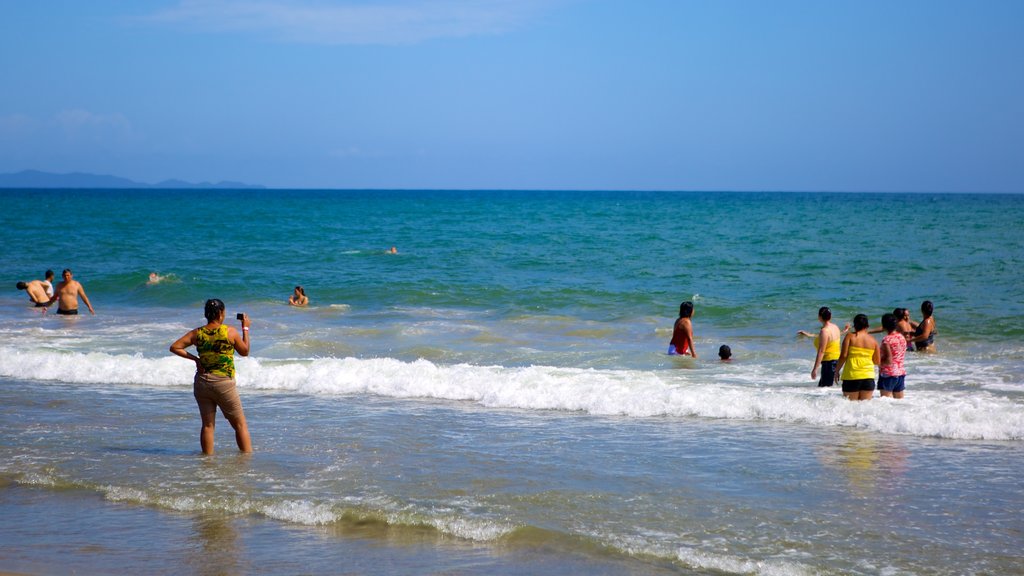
<point>48,283</point>
<point>393,250</point>
<point>67,293</point>
<point>155,278</point>
<point>924,335</point>
<point>682,332</point>
<point>857,361</point>
<point>826,342</point>
<point>725,353</point>
<point>298,297</point>
<point>36,292</point>
<point>214,382</point>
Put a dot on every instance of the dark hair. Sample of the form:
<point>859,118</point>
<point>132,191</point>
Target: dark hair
<point>860,322</point>
<point>214,308</point>
<point>301,291</point>
<point>724,351</point>
<point>897,312</point>
<point>49,274</point>
<point>927,308</point>
<point>22,285</point>
<point>889,322</point>
<point>825,313</point>
<point>686,309</point>
<point>68,270</point>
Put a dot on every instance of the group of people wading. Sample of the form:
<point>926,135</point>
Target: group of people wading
<point>853,360</point>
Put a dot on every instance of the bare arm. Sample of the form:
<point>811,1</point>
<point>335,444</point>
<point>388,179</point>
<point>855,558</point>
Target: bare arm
<point>929,325</point>
<point>886,356</point>
<point>180,345</point>
<point>842,356</point>
<point>822,344</point>
<point>240,338</point>
<point>688,329</point>
<point>874,357</point>
<point>81,292</point>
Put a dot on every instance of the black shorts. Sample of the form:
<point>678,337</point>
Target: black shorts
<point>73,312</point>
<point>865,385</point>
<point>828,373</point>
<point>40,304</point>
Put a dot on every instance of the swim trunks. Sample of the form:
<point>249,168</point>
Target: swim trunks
<point>672,350</point>
<point>71,312</point>
<point>40,304</point>
<point>828,373</point>
<point>212,391</point>
<point>892,383</point>
<point>865,385</point>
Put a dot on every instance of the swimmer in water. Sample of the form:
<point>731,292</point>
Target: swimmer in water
<point>725,353</point>
<point>298,297</point>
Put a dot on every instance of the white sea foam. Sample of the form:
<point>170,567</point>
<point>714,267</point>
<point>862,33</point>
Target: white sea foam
<point>972,413</point>
<point>696,558</point>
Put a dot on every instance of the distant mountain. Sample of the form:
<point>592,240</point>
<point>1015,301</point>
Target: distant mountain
<point>37,179</point>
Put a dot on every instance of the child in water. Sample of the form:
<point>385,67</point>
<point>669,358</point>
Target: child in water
<point>725,353</point>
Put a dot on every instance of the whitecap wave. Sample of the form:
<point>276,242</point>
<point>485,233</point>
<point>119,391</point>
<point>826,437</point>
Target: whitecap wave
<point>976,414</point>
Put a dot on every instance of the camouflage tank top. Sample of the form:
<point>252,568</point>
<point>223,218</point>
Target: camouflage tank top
<point>216,352</point>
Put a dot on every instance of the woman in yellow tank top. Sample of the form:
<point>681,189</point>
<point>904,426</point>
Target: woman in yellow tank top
<point>826,342</point>
<point>857,361</point>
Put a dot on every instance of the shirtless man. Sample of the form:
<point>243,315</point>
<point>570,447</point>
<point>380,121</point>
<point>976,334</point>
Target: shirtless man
<point>36,292</point>
<point>67,294</point>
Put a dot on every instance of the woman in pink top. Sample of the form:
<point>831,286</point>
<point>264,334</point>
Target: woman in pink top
<point>891,372</point>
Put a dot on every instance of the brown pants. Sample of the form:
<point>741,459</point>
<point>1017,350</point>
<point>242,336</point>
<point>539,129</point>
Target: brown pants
<point>213,390</point>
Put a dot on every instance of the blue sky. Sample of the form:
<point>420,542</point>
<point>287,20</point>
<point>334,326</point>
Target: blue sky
<point>897,95</point>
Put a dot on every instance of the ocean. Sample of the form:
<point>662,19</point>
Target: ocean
<point>496,398</point>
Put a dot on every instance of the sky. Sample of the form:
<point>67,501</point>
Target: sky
<point>810,95</point>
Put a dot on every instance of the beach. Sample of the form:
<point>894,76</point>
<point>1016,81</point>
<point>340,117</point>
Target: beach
<point>495,398</point>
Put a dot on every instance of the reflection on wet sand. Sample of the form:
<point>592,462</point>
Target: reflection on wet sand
<point>869,462</point>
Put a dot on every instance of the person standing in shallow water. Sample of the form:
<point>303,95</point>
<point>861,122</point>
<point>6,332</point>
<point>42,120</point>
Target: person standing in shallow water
<point>214,382</point>
<point>67,294</point>
<point>826,342</point>
<point>682,332</point>
<point>891,373</point>
<point>857,360</point>
<point>924,334</point>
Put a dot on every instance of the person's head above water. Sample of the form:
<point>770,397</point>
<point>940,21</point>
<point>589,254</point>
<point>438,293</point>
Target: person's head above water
<point>860,322</point>
<point>724,352</point>
<point>889,322</point>
<point>214,308</point>
<point>686,309</point>
<point>927,308</point>
<point>825,313</point>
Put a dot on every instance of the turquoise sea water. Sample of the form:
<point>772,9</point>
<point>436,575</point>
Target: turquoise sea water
<point>495,398</point>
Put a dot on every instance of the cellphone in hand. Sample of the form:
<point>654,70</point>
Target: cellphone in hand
<point>239,316</point>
